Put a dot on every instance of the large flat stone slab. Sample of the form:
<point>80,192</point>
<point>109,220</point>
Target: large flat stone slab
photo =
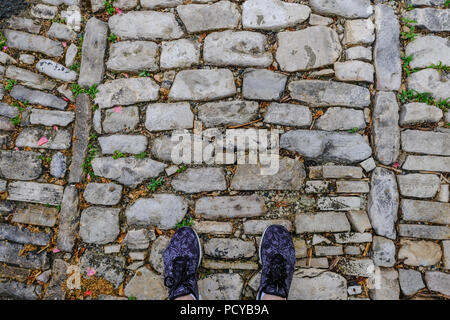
<point>56,70</point>
<point>24,236</point>
<point>169,116</point>
<point>212,208</point>
<point>236,48</point>
<point>35,192</point>
<point>437,143</point>
<point>339,119</point>
<point>128,171</point>
<point>201,85</point>
<point>416,112</point>
<point>68,220</point>
<point>30,42</point>
<point>432,81</point>
<point>126,91</point>
<point>57,140</point>
<point>20,165</point>
<point>134,144</point>
<point>227,113</point>
<point>329,93</point>
<point>431,19</point>
<point>93,53</point>
<point>424,231</point>
<point>195,180</point>
<point>387,49</point>
<point>321,222</point>
<point>419,253</point>
<point>289,176</point>
<point>99,225</point>
<point>133,56</point>
<point>345,8</point>
<point>272,14</point>
<point>51,117</point>
<point>108,194</point>
<point>428,50</point>
<point>37,97</point>
<point>29,79</point>
<point>418,185</point>
<point>36,214</point>
<point>425,211</point>
<point>145,25</point>
<point>300,50</point>
<point>383,203</point>
<point>263,85</point>
<point>316,284</point>
<point>427,163</point>
<point>327,146</point>
<point>162,210</point>
<point>9,253</point>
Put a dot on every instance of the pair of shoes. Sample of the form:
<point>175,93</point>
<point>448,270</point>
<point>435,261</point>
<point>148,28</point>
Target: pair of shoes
<point>183,255</point>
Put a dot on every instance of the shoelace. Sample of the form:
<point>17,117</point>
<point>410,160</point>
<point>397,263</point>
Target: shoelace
<point>278,273</point>
<point>179,275</point>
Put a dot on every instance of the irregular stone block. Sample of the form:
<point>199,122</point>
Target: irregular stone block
<point>230,207</point>
<point>288,115</point>
<point>427,50</point>
<point>415,112</point>
<point>428,142</point>
<point>56,70</point>
<point>29,79</point>
<point>258,226</point>
<point>68,220</point>
<point>9,253</point>
<point>263,85</point>
<point>321,222</point>
<point>24,236</point>
<point>126,119</point>
<point>410,281</point>
<point>345,8</point>
<point>35,192</point>
<point>430,80</point>
<point>427,163</point>
<point>99,225</point>
<point>424,231</point>
<point>438,281</point>
<point>36,215</point>
<point>181,53</point>
<point>337,118</point>
<point>20,165</point>
<point>134,144</point>
<point>418,185</point>
<point>221,286</point>
<point>51,117</point>
<point>354,71</point>
<point>195,180</point>
<point>61,31</point>
<point>169,116</point>
<point>223,248</point>
<point>419,253</point>
<point>30,42</point>
<point>227,113</point>
<point>436,20</point>
<point>103,193</point>
<point>316,284</point>
<point>383,252</point>
<point>425,211</point>
<point>37,97</point>
<point>133,56</point>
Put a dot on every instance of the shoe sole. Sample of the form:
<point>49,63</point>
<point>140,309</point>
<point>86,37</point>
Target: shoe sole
<point>260,242</point>
<point>200,249</point>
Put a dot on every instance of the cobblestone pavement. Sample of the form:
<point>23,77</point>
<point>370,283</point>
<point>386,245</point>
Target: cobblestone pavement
<point>93,91</point>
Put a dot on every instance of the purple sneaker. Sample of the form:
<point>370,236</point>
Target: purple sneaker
<point>181,260</point>
<point>277,256</point>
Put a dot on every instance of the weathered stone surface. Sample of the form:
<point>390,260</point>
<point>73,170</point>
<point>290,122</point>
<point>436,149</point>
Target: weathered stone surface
<point>107,266</point>
<point>162,210</point>
<point>6,58</point>
<point>289,176</point>
<point>145,25</point>
<point>207,17</point>
<point>221,286</point>
<point>352,237</point>
<point>30,42</point>
<point>428,142</point>
<point>432,81</point>
<point>213,227</point>
<point>37,97</point>
<point>383,252</point>
<point>128,171</point>
<point>415,112</point>
<point>51,117</point>
<point>24,236</point>
<point>354,71</point>
<point>195,180</point>
<point>322,251</point>
<point>339,203</point>
<point>203,85</point>
<point>438,281</point>
<point>386,132</point>
<point>344,186</point>
<point>356,267</point>
<point>419,253</point>
<point>316,284</point>
<point>263,85</point>
<point>137,239</point>
<point>419,3</point>
<point>68,220</point>
<point>122,119</point>
<point>418,186</point>
<point>321,222</point>
<point>169,116</point>
<point>329,93</point>
<point>424,231</point>
<point>81,131</point>
<point>428,163</point>
<point>272,14</point>
<point>9,253</point>
<point>436,20</point>
<point>181,53</point>
<point>288,115</point>
<point>258,226</point>
<point>410,281</point>
<point>345,8</point>
<point>383,203</point>
<point>55,289</point>
<point>358,52</point>
<point>146,285</point>
<point>20,291</point>
<point>156,258</point>
<point>337,118</point>
<point>317,186</point>
<point>133,56</point>
<point>61,31</point>
<point>134,144</point>
<point>242,48</point>
<point>230,207</point>
<point>72,17</point>
<point>359,32</point>
<point>387,49</point>
<point>93,53</point>
<point>327,146</point>
<point>385,285</point>
<point>29,79</point>
<point>35,214</point>
<point>35,192</point>
<point>25,24</point>
<point>43,11</point>
<point>316,20</point>
<point>227,113</point>
<point>299,50</point>
<point>425,211</point>
<point>20,165</point>
<point>151,4</point>
<point>126,91</point>
<point>103,193</point>
<point>446,259</point>
<point>428,50</point>
<point>99,225</point>
<point>223,248</point>
<point>8,111</point>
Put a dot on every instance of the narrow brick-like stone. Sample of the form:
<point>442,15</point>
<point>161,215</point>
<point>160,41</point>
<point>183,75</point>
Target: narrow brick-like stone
<point>35,192</point>
<point>230,207</point>
<point>68,220</point>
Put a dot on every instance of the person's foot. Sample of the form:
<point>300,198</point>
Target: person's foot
<point>277,256</point>
<point>181,261</point>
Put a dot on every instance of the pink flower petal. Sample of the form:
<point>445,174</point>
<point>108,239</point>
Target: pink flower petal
<point>64,44</point>
<point>65,99</point>
<point>5,48</point>
<point>56,250</point>
<point>117,109</point>
<point>125,75</point>
<point>16,148</point>
<point>55,128</point>
<point>118,10</point>
<point>396,165</point>
<point>89,177</point>
<point>42,141</point>
<point>90,272</point>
